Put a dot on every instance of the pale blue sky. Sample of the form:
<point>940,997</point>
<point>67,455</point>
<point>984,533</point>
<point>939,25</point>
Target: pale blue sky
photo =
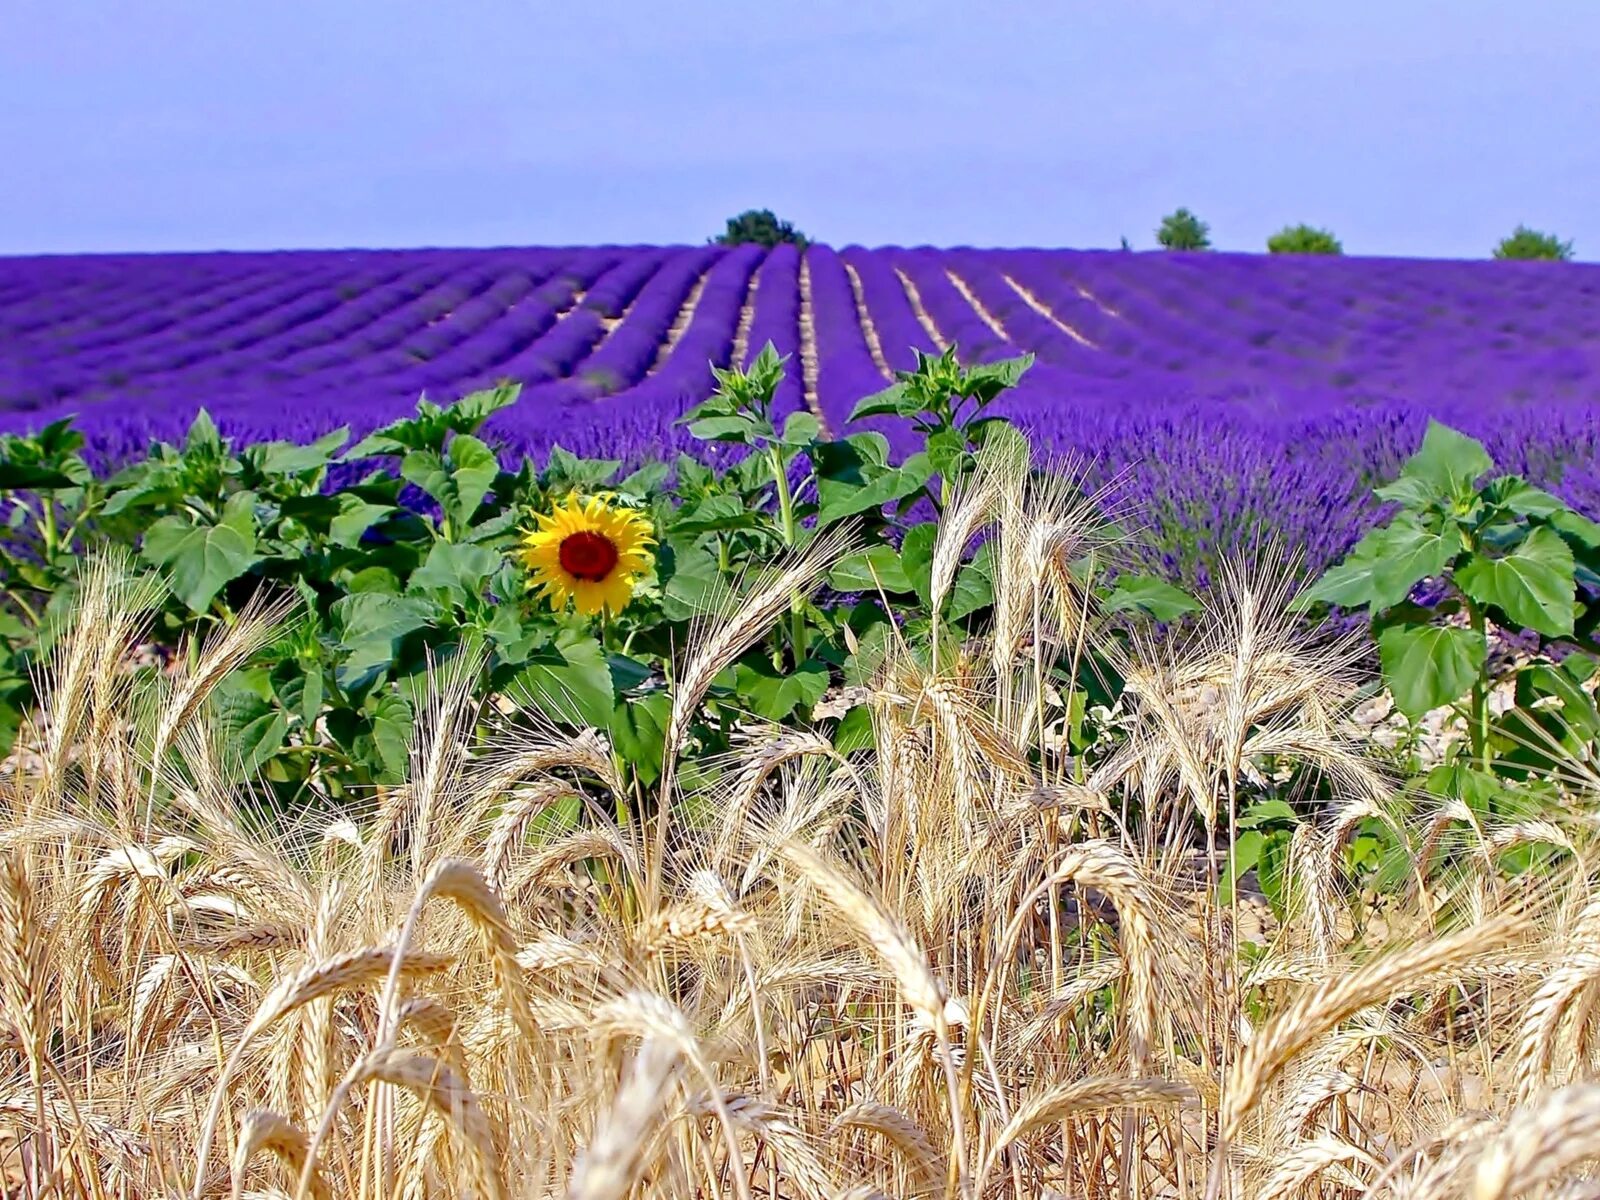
<point>1425,127</point>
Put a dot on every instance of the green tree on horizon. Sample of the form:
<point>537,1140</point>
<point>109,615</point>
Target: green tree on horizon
<point>1303,239</point>
<point>760,227</point>
<point>1182,230</point>
<point>1525,243</point>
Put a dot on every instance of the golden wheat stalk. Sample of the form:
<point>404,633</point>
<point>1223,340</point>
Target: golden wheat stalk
<point>1540,1144</point>
<point>1097,1094</point>
<point>460,881</point>
<point>442,1089</point>
<point>900,1131</point>
<point>648,1016</point>
<point>342,972</point>
<point>716,646</point>
<point>264,1130</point>
<point>611,1163</point>
<point>1301,1162</point>
<point>1320,1009</point>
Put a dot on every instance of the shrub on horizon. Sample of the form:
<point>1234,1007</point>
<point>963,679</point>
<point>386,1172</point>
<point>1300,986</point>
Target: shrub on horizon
<point>760,227</point>
<point>1525,243</point>
<point>1303,239</point>
<point>1182,230</point>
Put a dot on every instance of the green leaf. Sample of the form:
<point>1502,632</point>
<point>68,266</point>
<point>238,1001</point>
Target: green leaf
<point>392,722</point>
<point>252,729</point>
<point>1408,554</point>
<point>1270,870</point>
<point>735,428</point>
<point>1348,583</point>
<point>693,585</point>
<point>356,516</point>
<point>725,511</point>
<point>474,468</point>
<point>895,483</point>
<point>1449,462</point>
<point>203,435</point>
<point>947,451</point>
<point>394,438</point>
<point>1001,444</point>
<point>202,559</point>
<point>872,648</point>
<point>1243,858</point>
<point>570,683</point>
<point>1478,789</point>
<point>1578,710</point>
<point>459,485</point>
<point>855,460</point>
<point>638,733</point>
<point>1514,494</point>
<point>988,380</point>
<point>1427,666</point>
<point>22,477</point>
<point>716,405</point>
<point>627,673</point>
<point>1533,585</point>
<point>312,694</point>
<point>511,639</point>
<point>370,626</point>
<point>854,731</point>
<point>974,587</point>
<point>490,530</point>
<point>1410,491</point>
<point>374,578</point>
<point>646,481</point>
<point>774,694</point>
<point>458,570</point>
<point>1383,567</point>
<point>1264,811</point>
<point>584,474</point>
<point>868,570</point>
<point>801,429</point>
<point>426,469</point>
<point>892,401</point>
<point>472,410</point>
<point>1576,528</point>
<point>376,615</point>
<point>916,555</point>
<point>287,458</point>
<point>1160,599</point>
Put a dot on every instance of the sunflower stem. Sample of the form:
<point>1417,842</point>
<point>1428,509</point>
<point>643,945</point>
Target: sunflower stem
<point>791,532</point>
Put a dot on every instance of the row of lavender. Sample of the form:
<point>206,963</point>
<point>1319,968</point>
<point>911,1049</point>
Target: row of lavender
<point>1228,394</point>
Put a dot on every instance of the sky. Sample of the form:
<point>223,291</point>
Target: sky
<point>1408,127</point>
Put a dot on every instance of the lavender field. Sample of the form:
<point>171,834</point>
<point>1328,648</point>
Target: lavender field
<point>1223,395</point>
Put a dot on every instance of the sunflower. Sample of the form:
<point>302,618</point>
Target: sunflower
<point>589,551</point>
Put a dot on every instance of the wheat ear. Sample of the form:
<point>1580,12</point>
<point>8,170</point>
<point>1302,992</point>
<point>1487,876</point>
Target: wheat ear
<point>263,1129</point>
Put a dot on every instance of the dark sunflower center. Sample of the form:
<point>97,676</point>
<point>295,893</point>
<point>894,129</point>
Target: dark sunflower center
<point>588,556</point>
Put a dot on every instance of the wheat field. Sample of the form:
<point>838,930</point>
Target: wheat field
<point>959,964</point>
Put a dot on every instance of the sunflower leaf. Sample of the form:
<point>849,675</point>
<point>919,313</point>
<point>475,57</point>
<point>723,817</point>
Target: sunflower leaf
<point>457,570</point>
<point>569,683</point>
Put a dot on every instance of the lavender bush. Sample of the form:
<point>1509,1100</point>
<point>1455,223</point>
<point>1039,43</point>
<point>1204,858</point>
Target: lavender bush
<point>1226,398</point>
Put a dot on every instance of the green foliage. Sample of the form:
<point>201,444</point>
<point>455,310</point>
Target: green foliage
<point>1528,243</point>
<point>760,227</point>
<point>1507,554</point>
<point>1182,230</point>
<point>1303,239</point>
<point>388,589</point>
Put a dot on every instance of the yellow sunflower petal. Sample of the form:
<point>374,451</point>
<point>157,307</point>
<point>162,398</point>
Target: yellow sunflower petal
<point>599,570</point>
